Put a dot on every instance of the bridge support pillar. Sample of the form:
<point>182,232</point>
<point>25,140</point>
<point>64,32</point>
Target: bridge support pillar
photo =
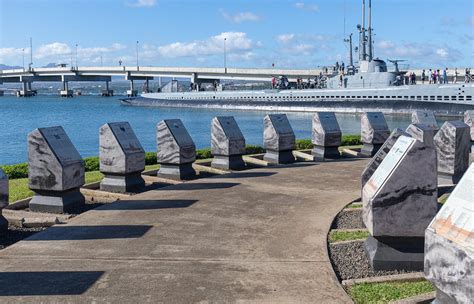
<point>132,92</point>
<point>65,92</point>
<point>26,90</point>
<point>107,92</point>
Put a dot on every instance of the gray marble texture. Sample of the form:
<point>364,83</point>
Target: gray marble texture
<point>425,117</point>
<point>422,132</point>
<point>449,244</point>
<point>53,162</point>
<point>325,130</point>
<point>226,137</point>
<point>175,146</point>
<point>3,190</point>
<point>380,155</point>
<point>277,133</point>
<point>469,120</point>
<point>374,128</point>
<point>120,150</point>
<point>400,199</point>
<point>453,146</point>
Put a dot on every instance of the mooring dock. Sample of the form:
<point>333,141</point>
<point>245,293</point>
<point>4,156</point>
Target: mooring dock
<point>258,235</point>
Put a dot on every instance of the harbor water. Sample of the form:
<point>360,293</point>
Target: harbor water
<point>82,116</point>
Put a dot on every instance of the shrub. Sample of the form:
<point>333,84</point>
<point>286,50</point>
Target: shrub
<point>203,153</point>
<point>150,158</point>
<point>304,144</point>
<point>253,149</point>
<point>16,171</point>
<point>91,163</point>
<point>351,140</point>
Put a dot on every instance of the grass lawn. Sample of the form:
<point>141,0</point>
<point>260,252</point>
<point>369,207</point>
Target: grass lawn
<point>386,292</point>
<point>354,205</point>
<point>339,236</point>
<point>19,187</point>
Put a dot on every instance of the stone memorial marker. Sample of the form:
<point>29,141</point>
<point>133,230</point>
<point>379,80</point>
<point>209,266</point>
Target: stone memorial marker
<point>426,118</point>
<point>176,150</point>
<point>278,139</point>
<point>374,132</point>
<point>3,199</point>
<point>449,245</point>
<point>422,132</point>
<point>380,155</point>
<point>122,158</point>
<point>227,144</point>
<point>469,120</point>
<point>399,201</point>
<point>452,144</point>
<point>327,136</point>
<point>55,171</point>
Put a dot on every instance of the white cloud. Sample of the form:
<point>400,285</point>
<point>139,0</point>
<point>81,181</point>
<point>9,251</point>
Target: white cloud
<point>285,38</point>
<point>470,21</point>
<point>142,3</point>
<point>8,53</point>
<point>310,7</point>
<point>235,42</point>
<point>240,17</point>
<point>52,50</point>
<point>417,52</point>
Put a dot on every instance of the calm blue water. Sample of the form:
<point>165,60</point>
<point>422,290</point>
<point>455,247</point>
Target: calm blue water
<point>82,116</point>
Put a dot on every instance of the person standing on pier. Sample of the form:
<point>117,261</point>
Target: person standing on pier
<point>445,75</point>
<point>430,75</point>
<point>456,73</point>
<point>423,76</point>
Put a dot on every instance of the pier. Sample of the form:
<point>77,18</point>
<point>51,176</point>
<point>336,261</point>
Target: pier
<point>138,73</point>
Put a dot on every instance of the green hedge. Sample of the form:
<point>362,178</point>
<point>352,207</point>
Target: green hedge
<point>92,163</point>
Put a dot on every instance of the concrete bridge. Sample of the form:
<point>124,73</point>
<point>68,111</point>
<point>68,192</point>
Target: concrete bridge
<point>132,73</point>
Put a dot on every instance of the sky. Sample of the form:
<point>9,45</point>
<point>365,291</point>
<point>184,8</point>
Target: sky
<point>257,33</point>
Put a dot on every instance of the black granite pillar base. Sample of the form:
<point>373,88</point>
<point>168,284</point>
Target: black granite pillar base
<point>279,157</point>
<point>369,150</point>
<point>3,222</point>
<point>57,201</point>
<point>131,182</point>
<point>395,253</point>
<point>445,179</point>
<point>177,172</point>
<point>231,162</point>
<point>321,153</point>
<point>442,298</point>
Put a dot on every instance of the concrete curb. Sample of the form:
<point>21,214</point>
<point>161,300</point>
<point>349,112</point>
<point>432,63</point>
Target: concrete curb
<point>404,277</point>
<point>418,299</point>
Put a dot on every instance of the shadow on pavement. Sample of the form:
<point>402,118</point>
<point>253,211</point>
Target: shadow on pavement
<point>249,174</point>
<point>200,186</point>
<point>47,283</point>
<point>73,233</point>
<point>147,204</point>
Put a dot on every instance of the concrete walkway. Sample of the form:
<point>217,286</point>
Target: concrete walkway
<point>254,236</point>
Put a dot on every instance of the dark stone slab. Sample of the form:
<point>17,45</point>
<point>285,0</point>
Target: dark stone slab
<point>469,120</point>
<point>3,199</point>
<point>231,162</point>
<point>122,183</point>
<point>395,253</point>
<point>453,146</point>
<point>380,155</point>
<point>422,132</point>
<point>177,171</point>
<point>278,136</point>
<point>449,245</point>
<point>55,170</point>
<point>227,144</point>
<point>426,118</point>
<point>374,132</point>
<point>122,158</point>
<point>326,136</point>
<point>400,198</point>
<point>57,201</point>
<point>176,150</point>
